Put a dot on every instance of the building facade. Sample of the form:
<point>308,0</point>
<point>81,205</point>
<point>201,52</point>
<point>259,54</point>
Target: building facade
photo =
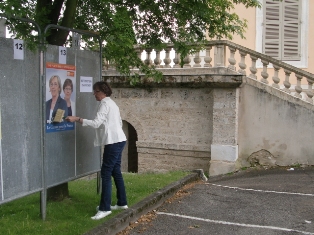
<point>280,29</point>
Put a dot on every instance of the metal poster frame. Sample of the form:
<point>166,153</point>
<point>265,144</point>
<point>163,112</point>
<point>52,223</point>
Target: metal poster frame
<point>43,80</point>
<point>42,103</point>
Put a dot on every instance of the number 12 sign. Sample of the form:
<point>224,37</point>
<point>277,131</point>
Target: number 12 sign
<point>18,47</point>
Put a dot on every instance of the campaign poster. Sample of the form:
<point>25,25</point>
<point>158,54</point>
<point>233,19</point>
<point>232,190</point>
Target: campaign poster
<point>60,96</point>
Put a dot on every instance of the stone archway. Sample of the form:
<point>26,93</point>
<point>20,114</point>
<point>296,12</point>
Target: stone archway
<point>129,155</point>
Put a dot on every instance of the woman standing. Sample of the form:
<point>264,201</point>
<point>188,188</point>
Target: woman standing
<point>56,102</point>
<point>108,127</point>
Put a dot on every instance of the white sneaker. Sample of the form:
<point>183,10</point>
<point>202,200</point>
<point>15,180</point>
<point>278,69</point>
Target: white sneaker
<point>116,207</point>
<point>101,214</point>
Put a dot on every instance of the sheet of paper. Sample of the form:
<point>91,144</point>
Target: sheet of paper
<point>18,46</point>
<point>86,84</point>
<point>62,55</point>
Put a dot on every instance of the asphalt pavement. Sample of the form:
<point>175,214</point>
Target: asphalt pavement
<point>251,202</point>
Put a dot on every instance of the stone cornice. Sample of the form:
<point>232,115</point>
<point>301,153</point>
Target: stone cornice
<point>196,78</point>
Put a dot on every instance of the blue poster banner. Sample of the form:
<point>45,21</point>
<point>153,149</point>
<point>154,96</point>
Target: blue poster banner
<point>62,126</point>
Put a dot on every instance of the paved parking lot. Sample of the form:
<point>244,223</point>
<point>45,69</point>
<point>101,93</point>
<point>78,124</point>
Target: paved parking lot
<point>266,202</point>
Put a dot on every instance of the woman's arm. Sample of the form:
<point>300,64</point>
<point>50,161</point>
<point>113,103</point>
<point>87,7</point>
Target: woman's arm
<point>96,122</point>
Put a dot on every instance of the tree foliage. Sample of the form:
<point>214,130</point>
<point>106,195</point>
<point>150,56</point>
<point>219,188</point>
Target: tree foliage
<point>123,23</point>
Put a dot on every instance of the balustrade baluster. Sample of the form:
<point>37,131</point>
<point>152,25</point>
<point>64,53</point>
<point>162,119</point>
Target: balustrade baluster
<point>207,58</point>
<point>253,67</point>
<point>242,64</point>
<point>276,77</point>
<point>264,72</point>
<point>157,60</point>
<point>197,60</point>
<point>148,60</point>
<point>298,88</point>
<point>232,60</point>
<point>286,83</point>
<point>309,92</point>
<point>105,64</point>
<point>167,59</point>
<point>186,61</point>
<point>139,52</point>
<point>219,60</point>
<point>177,60</point>
<point>111,66</point>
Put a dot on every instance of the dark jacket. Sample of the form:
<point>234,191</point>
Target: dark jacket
<point>60,104</point>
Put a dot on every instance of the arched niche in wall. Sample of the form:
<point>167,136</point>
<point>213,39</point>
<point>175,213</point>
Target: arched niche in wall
<point>129,155</point>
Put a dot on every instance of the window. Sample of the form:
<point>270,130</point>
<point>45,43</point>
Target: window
<point>282,27</point>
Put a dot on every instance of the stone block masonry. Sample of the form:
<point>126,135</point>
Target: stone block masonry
<point>174,126</point>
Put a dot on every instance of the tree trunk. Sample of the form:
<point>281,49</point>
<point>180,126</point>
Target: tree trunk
<point>58,37</point>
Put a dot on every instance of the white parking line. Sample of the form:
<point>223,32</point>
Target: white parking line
<point>235,224</point>
<point>264,191</point>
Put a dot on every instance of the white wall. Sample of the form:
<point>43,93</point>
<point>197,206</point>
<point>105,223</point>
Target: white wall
<point>277,123</point>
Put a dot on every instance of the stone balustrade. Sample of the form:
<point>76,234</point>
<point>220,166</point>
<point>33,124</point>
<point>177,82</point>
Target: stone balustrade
<point>215,55</point>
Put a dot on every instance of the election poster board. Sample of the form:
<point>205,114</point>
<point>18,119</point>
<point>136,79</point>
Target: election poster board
<point>60,96</point>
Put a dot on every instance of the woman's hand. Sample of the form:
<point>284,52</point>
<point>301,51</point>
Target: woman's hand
<point>72,119</point>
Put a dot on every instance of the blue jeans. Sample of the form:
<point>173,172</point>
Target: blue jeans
<point>111,166</point>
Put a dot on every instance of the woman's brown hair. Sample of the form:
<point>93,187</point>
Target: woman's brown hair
<point>68,82</point>
<point>103,87</point>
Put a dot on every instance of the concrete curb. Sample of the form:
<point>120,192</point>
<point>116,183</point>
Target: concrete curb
<point>123,219</point>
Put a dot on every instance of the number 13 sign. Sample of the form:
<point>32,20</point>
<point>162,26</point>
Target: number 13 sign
<point>62,55</point>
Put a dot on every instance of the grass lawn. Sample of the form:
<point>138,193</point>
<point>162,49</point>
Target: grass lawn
<point>72,216</point>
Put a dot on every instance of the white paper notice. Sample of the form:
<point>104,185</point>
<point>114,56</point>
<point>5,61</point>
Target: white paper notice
<point>62,55</point>
<point>86,84</point>
<point>18,46</point>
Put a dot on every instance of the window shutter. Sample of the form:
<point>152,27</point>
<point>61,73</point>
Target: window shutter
<point>281,37</point>
<point>291,30</point>
<point>271,35</point>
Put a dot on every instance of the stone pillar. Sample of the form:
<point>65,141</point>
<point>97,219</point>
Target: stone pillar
<point>224,147</point>
<point>125,153</point>
<point>2,28</point>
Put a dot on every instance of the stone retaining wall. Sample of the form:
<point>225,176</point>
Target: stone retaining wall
<point>180,121</point>
<point>174,126</point>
